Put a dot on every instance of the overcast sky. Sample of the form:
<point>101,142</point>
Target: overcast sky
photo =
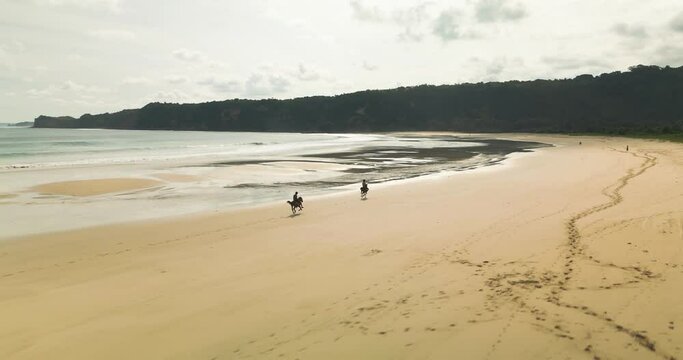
<point>69,57</point>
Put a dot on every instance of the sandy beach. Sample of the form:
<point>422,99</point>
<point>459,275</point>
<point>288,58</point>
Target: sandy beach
<point>569,252</point>
<point>95,186</point>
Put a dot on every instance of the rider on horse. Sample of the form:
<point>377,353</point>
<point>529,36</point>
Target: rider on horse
<point>297,200</point>
<point>364,187</point>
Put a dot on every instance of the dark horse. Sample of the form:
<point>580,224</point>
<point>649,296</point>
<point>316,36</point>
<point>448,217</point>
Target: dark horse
<point>296,205</point>
<point>364,192</point>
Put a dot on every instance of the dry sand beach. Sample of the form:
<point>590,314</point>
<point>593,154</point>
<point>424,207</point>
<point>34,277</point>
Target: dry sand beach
<point>570,252</point>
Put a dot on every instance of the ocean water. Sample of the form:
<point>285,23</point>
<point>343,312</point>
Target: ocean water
<point>28,147</point>
<point>209,171</point>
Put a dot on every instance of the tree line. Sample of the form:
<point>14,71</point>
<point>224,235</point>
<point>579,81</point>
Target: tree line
<point>645,99</point>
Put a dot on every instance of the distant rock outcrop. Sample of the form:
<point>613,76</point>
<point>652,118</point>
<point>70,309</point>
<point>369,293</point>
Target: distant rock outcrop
<point>22,124</point>
<point>43,121</point>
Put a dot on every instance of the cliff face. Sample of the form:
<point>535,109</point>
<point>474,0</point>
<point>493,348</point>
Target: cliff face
<point>644,99</point>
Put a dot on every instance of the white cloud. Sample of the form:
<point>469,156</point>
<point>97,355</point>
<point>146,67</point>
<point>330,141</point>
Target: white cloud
<point>499,10</point>
<point>369,67</point>
<point>112,35</point>
<point>410,34</point>
<point>221,86</point>
<point>8,53</point>
<point>67,87</point>
<point>278,83</point>
<point>304,73</point>
<point>446,26</point>
<point>71,85</point>
<point>677,22</point>
<point>13,46</point>
<point>631,31</point>
<point>575,63</point>
<point>411,20</point>
<point>189,55</point>
<point>495,68</point>
<point>500,68</point>
<point>172,96</point>
<point>40,92</point>
<point>363,13</point>
<point>264,85</point>
<point>176,79</point>
<point>257,85</point>
<point>268,80</point>
<point>215,65</point>
<point>669,55</point>
<point>408,19</point>
<point>110,5</point>
<point>136,80</point>
<point>5,60</point>
<point>75,57</point>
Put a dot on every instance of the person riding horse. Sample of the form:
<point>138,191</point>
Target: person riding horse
<point>297,200</point>
<point>364,188</point>
<point>297,203</point>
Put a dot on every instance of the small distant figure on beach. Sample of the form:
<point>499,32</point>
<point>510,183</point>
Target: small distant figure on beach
<point>579,142</point>
<point>364,190</point>
<point>297,203</point>
<point>626,147</point>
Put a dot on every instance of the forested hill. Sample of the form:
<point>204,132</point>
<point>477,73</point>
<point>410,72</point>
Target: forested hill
<point>644,99</point>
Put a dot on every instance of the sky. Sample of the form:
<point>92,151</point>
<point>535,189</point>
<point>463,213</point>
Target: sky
<point>70,57</point>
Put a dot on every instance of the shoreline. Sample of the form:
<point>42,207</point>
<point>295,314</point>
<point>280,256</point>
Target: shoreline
<point>343,191</point>
<point>77,198</point>
<point>571,250</point>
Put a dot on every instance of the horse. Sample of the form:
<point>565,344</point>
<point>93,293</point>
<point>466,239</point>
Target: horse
<point>364,193</point>
<point>296,205</point>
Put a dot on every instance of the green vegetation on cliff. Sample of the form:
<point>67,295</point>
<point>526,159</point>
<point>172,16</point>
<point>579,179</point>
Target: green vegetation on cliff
<point>645,99</point>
